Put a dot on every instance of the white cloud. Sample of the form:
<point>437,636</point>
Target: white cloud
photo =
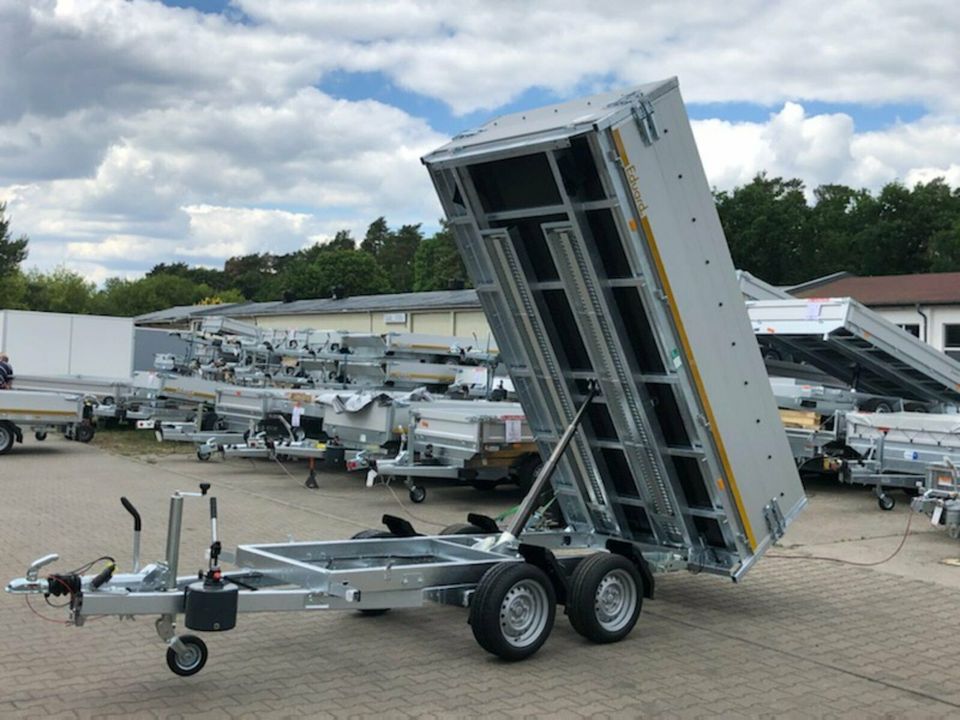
<point>133,133</point>
<point>823,149</point>
<point>479,55</point>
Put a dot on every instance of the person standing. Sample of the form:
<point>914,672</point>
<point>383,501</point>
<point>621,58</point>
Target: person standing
<point>6,372</point>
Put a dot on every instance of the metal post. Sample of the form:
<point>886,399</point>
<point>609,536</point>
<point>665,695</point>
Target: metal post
<point>529,504</point>
<point>173,539</point>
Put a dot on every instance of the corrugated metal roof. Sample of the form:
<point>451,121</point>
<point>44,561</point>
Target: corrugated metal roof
<point>886,290</point>
<point>397,302</point>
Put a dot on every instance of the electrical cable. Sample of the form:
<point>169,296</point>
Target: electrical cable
<point>412,516</point>
<point>855,563</point>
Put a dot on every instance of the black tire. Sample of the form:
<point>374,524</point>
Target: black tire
<point>40,436</point>
<point>83,433</point>
<point>7,437</point>
<point>369,535</point>
<point>203,455</point>
<point>886,502</point>
<point>606,596</point>
<point>484,485</point>
<point>418,494</point>
<point>195,661</point>
<point>513,610</point>
<point>462,529</point>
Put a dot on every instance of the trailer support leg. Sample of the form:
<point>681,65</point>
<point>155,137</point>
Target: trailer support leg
<point>312,477</point>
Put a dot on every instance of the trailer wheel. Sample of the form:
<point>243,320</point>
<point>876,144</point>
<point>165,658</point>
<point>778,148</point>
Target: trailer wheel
<point>606,595</point>
<point>886,502</point>
<point>83,433</point>
<point>7,436</point>
<point>512,610</point>
<point>203,453</point>
<point>462,529</point>
<point>40,436</point>
<point>192,660</point>
<point>418,494</point>
<point>367,535</point>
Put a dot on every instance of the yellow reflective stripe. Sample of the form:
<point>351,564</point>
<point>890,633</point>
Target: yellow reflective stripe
<point>692,363</point>
<point>698,381</point>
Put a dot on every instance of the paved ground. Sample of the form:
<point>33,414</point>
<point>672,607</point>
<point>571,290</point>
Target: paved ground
<point>798,638</point>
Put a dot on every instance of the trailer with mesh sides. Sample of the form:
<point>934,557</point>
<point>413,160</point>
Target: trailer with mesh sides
<point>591,236</point>
<point>590,233</point>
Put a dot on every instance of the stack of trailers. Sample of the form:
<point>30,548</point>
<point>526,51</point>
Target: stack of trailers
<point>900,393</point>
<point>591,235</point>
<point>246,354</point>
<point>40,413</point>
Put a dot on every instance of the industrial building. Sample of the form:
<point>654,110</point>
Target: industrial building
<point>442,312</point>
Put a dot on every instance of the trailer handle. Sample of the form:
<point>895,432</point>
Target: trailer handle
<point>529,504</point>
<point>214,538</point>
<point>128,506</point>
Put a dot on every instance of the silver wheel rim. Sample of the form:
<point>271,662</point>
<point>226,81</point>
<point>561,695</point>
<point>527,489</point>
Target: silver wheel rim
<point>523,613</point>
<point>5,437</point>
<point>615,600</point>
<point>190,657</point>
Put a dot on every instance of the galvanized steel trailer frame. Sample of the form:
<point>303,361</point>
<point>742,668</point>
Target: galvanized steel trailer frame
<point>591,236</point>
<point>680,461</point>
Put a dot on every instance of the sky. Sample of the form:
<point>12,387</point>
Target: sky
<point>134,132</point>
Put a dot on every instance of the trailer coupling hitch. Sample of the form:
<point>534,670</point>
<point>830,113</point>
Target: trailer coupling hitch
<point>56,584</point>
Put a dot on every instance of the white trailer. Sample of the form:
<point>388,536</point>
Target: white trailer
<point>478,442</point>
<point>40,413</point>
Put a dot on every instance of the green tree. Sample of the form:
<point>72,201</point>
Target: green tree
<point>764,222</point>
<point>353,271</point>
<point>157,292</point>
<point>213,277</point>
<point>943,249</point>
<point>378,234</point>
<point>12,253</point>
<point>437,263</point>
<point>343,240</point>
<point>62,291</point>
<point>397,255</point>
<point>252,275</point>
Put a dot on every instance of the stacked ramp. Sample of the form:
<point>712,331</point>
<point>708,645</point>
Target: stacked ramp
<point>590,233</point>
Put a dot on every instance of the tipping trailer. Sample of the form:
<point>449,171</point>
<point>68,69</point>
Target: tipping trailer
<point>591,235</point>
<point>856,345</point>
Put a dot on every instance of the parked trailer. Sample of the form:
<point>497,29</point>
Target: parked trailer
<point>40,413</point>
<point>609,304</point>
<point>481,443</point>
<point>856,345</point>
<point>940,499</point>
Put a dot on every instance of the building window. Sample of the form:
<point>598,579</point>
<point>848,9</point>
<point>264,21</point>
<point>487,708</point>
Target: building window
<point>951,341</point>
<point>912,328</point>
